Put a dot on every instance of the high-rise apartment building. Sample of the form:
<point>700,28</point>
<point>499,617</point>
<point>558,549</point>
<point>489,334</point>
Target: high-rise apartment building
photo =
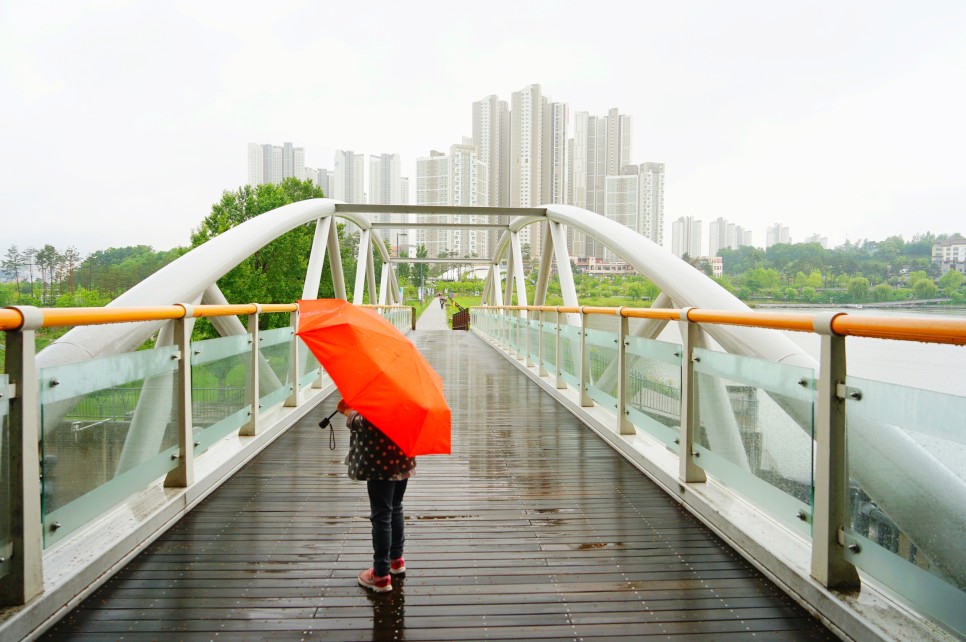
<point>725,235</point>
<point>491,136</point>
<point>775,234</point>
<point>601,148</point>
<point>348,185</point>
<point>385,181</point>
<point>686,237</point>
<point>556,159</point>
<point>818,238</point>
<point>432,188</point>
<point>635,199</point>
<point>275,163</point>
<point>527,109</point>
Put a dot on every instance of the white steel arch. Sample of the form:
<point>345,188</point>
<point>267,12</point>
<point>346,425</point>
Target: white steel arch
<point>903,479</point>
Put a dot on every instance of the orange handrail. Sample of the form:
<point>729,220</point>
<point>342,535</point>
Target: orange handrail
<point>949,331</point>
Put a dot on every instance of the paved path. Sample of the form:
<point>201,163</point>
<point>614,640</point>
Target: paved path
<point>434,318</point>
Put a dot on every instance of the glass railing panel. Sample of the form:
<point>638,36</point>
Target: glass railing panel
<point>275,382</point>
<point>108,430</point>
<point>309,369</point>
<point>904,444</point>
<point>602,352</point>
<point>654,388</point>
<point>6,538</point>
<point>514,324</point>
<point>549,339</point>
<point>533,338</point>
<point>755,431</point>
<point>220,375</point>
<point>570,354</point>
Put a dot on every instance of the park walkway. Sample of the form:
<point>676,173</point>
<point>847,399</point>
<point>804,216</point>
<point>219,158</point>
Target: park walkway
<point>532,529</point>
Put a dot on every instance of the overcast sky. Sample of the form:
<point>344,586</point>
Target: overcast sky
<point>122,122</point>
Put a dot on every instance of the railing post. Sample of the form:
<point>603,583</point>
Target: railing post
<point>250,428</point>
<point>624,425</point>
<point>293,399</point>
<point>831,492</point>
<point>25,578</point>
<point>559,382</point>
<point>541,370</point>
<point>529,356</point>
<point>183,474</point>
<point>584,363</point>
<point>688,471</point>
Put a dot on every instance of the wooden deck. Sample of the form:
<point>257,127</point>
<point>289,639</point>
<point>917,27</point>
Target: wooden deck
<point>532,529</point>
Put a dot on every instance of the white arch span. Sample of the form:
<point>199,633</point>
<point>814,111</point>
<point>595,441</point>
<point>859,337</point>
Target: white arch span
<point>904,480</point>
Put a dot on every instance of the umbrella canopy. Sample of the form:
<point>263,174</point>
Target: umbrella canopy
<point>379,373</point>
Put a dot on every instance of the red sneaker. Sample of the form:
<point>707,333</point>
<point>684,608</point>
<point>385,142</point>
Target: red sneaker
<point>397,566</point>
<point>375,583</point>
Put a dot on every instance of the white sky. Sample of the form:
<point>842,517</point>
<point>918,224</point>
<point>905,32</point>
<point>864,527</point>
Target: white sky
<point>122,122</point>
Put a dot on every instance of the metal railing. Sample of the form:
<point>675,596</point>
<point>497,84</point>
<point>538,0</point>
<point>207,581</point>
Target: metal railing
<point>78,440</point>
<point>848,467</point>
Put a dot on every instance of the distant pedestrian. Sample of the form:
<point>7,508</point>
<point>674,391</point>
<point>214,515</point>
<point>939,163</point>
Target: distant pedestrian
<point>442,301</point>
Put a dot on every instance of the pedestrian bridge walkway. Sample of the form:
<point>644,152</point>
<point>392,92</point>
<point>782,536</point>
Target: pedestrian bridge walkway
<point>533,528</point>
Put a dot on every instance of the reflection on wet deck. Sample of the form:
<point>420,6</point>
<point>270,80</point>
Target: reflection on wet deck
<point>532,528</point>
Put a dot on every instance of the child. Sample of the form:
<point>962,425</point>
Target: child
<point>375,459</point>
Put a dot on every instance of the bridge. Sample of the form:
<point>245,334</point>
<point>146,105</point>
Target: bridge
<point>605,482</point>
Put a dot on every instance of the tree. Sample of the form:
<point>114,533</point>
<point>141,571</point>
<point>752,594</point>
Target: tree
<point>12,263</point>
<point>859,289</point>
<point>951,281</point>
<point>276,272</point>
<point>924,289</point>
<point>882,292</point>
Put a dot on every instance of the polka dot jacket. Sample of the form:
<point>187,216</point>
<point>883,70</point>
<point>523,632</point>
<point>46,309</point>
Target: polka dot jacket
<point>372,455</point>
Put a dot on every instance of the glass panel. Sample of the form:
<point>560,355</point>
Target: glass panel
<point>907,459</point>
<point>310,370</point>
<point>570,354</point>
<point>927,593</point>
<point>6,538</point>
<point>220,372</point>
<point>654,388</point>
<point>513,322</point>
<point>757,417</point>
<point>549,339</point>
<point>107,425</point>
<point>275,374</point>
<point>602,352</point>
<point>533,337</point>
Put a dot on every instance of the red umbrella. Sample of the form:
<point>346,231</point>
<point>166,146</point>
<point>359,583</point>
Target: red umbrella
<point>379,372</point>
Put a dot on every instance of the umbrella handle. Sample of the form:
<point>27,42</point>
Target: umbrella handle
<point>328,422</point>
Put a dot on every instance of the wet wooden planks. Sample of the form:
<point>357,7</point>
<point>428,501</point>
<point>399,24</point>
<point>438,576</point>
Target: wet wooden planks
<point>532,529</point>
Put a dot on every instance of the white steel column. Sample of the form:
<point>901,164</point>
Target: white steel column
<point>624,425</point>
<point>335,262</point>
<point>183,475</point>
<point>543,275</point>
<point>250,427</point>
<point>519,277</point>
<point>362,258</point>
<point>295,367</point>
<point>688,471</point>
<point>829,565</point>
<point>583,363</point>
<point>25,578</point>
<point>313,273</point>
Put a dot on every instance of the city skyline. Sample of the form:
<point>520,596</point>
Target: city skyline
<point>126,119</point>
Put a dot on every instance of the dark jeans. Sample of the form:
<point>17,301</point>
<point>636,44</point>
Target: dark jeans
<point>385,504</point>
